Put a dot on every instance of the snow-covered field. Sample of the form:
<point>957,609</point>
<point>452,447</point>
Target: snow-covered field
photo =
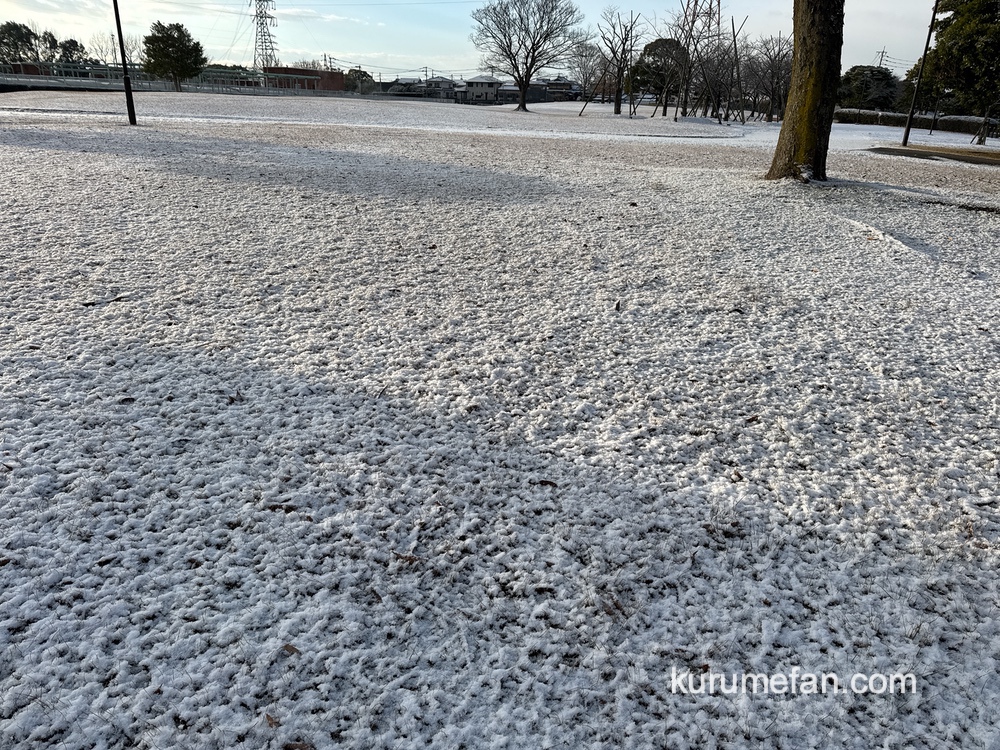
<point>349,424</point>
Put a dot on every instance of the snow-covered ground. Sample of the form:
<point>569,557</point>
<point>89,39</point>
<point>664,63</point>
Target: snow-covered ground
<point>348,424</point>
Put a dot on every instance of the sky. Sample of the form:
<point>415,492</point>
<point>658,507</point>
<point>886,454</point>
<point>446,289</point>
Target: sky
<point>405,37</point>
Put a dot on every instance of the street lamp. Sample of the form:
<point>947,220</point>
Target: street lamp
<point>920,75</point>
<point>129,104</point>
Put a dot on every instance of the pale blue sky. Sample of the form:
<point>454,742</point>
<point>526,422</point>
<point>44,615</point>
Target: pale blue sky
<point>403,37</point>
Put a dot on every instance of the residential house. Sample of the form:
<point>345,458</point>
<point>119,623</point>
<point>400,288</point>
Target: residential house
<point>479,90</point>
<point>440,87</point>
<point>562,89</point>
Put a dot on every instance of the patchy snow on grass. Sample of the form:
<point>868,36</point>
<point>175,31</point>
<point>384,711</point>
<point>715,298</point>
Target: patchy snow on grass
<point>348,424</point>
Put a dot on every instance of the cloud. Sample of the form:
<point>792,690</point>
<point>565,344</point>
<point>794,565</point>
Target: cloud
<point>312,15</point>
<point>50,8</point>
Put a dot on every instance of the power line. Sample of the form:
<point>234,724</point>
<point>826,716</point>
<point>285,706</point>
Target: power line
<point>237,34</point>
<point>207,8</point>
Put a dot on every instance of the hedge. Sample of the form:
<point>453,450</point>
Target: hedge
<point>951,123</point>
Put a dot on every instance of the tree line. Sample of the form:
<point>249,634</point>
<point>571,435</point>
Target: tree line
<point>27,43</point>
<point>683,62</point>
<point>168,51</point>
<point>695,62</point>
<point>693,67</point>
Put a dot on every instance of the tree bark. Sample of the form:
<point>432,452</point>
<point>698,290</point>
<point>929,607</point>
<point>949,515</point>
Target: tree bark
<point>805,131</point>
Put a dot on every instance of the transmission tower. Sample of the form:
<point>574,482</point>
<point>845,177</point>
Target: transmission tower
<point>264,53</point>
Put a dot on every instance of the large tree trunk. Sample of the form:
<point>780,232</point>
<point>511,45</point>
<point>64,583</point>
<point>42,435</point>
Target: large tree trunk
<point>805,131</point>
<point>522,96</point>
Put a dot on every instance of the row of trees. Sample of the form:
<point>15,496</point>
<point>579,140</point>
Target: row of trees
<point>21,42</point>
<point>168,51</point>
<point>521,37</point>
<point>687,62</point>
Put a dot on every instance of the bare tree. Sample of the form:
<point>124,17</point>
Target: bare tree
<point>712,74</point>
<point>520,38</point>
<point>104,47</point>
<point>702,40</point>
<point>805,133</point>
<point>135,51</point>
<point>619,38</point>
<point>769,73</point>
<point>585,65</point>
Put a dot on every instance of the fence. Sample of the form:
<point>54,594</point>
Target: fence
<point>101,77</point>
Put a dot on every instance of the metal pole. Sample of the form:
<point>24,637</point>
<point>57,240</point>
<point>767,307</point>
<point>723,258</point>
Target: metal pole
<point>920,75</point>
<point>129,104</point>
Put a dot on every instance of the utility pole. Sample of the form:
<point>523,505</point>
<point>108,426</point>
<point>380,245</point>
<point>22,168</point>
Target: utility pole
<point>129,104</point>
<point>881,57</point>
<point>920,75</point>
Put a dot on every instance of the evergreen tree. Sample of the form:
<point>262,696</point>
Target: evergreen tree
<point>71,51</point>
<point>868,87</point>
<point>171,52</point>
<point>968,53</point>
<point>17,43</point>
<point>48,47</point>
<point>659,68</point>
<point>359,80</point>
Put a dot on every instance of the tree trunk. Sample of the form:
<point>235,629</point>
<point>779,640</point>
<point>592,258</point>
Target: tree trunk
<point>522,97</point>
<point>805,131</point>
<point>177,83</point>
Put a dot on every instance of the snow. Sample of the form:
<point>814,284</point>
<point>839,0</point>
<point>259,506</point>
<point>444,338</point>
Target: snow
<point>341,423</point>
